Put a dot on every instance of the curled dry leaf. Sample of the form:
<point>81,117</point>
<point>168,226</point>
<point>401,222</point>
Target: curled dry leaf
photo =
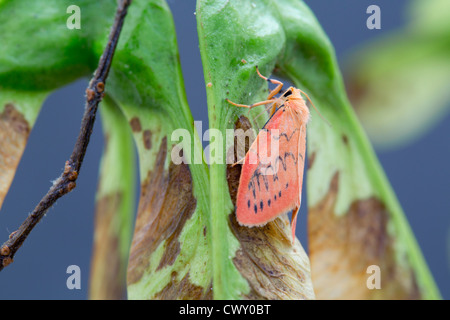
<point>166,204</point>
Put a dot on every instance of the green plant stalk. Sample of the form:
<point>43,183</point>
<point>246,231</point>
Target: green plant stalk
<point>115,206</point>
<point>118,172</point>
<point>228,283</point>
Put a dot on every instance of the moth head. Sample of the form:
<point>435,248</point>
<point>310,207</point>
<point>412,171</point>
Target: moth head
<point>291,93</point>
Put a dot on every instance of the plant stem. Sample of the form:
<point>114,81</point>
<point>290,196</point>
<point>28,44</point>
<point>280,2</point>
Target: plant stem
<point>67,181</point>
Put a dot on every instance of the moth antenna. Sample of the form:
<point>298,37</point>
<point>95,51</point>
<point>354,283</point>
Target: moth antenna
<point>320,115</point>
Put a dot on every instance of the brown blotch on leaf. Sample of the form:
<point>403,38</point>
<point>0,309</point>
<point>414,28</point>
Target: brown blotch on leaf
<point>147,136</point>
<point>135,124</point>
<point>345,139</point>
<point>234,171</point>
<point>357,89</point>
<point>108,272</point>
<point>311,159</point>
<point>273,268</point>
<point>183,290</point>
<point>166,203</point>
<point>14,132</point>
<point>343,247</point>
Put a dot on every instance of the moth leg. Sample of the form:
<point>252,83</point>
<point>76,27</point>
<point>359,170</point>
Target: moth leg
<point>253,105</point>
<point>273,109</point>
<point>278,83</point>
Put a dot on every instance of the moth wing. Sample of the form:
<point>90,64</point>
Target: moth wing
<point>269,183</point>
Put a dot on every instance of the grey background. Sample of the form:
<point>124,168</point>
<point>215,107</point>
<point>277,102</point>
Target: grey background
<point>418,172</point>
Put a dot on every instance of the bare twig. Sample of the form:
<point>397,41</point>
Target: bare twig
<point>67,181</point>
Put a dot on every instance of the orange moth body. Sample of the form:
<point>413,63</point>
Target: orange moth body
<point>271,178</point>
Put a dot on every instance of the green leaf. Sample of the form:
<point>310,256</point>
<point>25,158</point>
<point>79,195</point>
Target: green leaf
<point>235,36</point>
<point>170,252</point>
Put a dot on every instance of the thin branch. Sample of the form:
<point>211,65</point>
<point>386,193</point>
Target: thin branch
<point>67,181</point>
